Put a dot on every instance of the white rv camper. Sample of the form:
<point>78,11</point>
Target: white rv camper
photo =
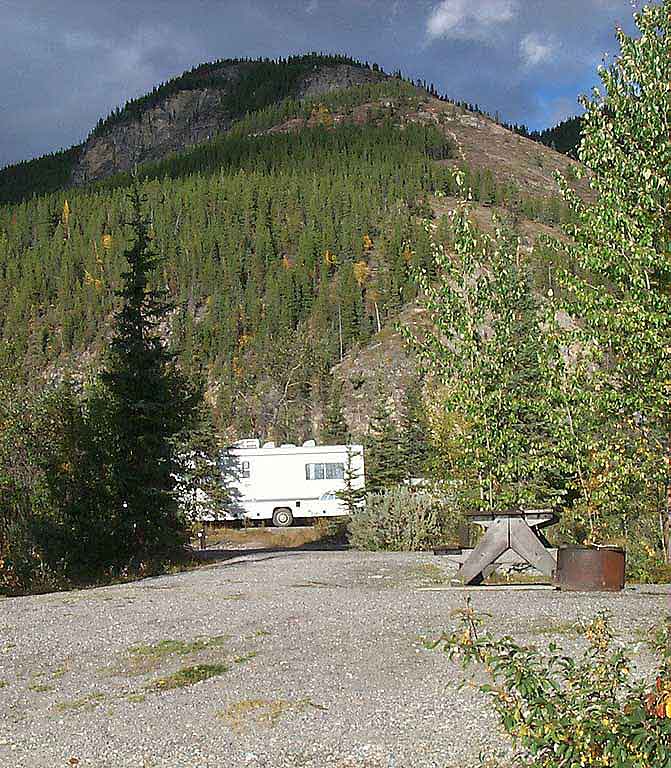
<point>289,482</point>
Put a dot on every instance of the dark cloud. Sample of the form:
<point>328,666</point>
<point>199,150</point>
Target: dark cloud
<point>63,65</point>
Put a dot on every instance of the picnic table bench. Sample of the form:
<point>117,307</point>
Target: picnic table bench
<point>519,530</point>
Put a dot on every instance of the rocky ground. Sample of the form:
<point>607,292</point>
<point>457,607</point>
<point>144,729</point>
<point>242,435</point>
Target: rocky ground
<point>267,658</point>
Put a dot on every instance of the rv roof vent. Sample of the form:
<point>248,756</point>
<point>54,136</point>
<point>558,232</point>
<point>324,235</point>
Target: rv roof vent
<point>309,444</point>
<point>288,445</point>
<point>269,445</point>
<point>248,443</point>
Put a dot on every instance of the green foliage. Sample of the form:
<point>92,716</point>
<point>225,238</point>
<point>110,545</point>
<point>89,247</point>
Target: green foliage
<point>334,429</point>
<point>414,444</point>
<point>401,520</point>
<point>562,712</point>
<point>621,287</point>
<point>54,489</point>
<point>485,353</point>
<point>37,177</point>
<point>353,494</point>
<point>149,402</point>
<point>384,462</point>
<point>564,137</point>
<point>201,487</point>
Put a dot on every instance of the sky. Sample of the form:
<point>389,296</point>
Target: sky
<point>65,64</point>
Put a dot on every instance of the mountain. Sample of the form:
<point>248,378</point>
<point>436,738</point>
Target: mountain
<point>203,103</point>
<point>289,237</point>
<point>189,109</point>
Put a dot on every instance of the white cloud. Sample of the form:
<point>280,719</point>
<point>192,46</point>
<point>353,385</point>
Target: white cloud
<point>469,19</point>
<point>536,49</point>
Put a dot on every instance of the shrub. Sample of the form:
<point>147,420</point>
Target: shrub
<point>562,712</point>
<point>401,520</point>
<point>54,524</point>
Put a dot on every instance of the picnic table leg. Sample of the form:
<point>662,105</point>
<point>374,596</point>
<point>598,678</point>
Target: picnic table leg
<point>493,544</point>
<point>528,545</point>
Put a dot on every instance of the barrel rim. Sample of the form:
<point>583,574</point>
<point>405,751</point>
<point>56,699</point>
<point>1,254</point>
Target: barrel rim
<point>588,548</point>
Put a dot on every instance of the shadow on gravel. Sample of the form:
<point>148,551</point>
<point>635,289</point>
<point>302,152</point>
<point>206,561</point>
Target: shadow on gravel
<point>249,554</point>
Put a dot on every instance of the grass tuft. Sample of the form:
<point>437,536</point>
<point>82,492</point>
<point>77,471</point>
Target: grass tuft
<point>266,712</point>
<point>188,676</point>
<point>40,687</point>
<point>89,702</point>
<point>147,658</point>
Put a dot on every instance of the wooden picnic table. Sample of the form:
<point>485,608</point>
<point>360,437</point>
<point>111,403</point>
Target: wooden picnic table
<point>518,530</point>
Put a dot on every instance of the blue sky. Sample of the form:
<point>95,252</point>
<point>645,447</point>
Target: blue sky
<point>63,65</point>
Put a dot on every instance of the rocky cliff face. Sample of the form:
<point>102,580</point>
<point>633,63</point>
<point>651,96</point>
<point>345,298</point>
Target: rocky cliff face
<point>190,117</point>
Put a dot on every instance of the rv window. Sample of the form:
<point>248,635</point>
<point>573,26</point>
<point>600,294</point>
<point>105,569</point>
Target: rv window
<point>314,471</point>
<point>324,471</point>
<point>244,471</point>
<point>335,471</point>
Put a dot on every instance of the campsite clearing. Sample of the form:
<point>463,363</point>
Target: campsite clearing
<point>270,658</point>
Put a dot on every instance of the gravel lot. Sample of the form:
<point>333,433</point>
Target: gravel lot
<point>318,655</point>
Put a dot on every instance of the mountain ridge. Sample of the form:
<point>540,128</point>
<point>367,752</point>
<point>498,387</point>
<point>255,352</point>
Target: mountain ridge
<point>205,102</point>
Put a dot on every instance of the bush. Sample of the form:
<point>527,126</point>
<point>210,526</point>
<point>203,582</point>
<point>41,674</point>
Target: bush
<point>402,520</point>
<point>562,712</point>
<point>53,523</point>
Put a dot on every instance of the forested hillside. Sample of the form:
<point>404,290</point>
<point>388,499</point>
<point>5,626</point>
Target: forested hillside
<point>289,241</point>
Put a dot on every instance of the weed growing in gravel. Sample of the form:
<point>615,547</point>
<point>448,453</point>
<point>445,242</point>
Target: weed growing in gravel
<point>563,628</point>
<point>188,676</point>
<point>178,647</point>
<point>263,711</point>
<point>562,711</point>
<point>136,698</point>
<point>146,658</point>
<point>88,702</point>
<point>40,687</point>
<point>246,657</point>
<point>429,572</point>
<point>3,683</point>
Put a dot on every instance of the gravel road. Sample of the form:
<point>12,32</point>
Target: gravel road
<point>316,660</point>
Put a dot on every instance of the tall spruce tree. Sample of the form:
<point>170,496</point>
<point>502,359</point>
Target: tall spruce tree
<point>335,430</point>
<point>383,461</point>
<point>150,405</point>
<point>414,432</point>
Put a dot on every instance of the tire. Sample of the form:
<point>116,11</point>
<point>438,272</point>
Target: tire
<point>283,517</point>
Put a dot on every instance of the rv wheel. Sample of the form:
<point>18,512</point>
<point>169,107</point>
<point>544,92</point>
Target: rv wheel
<point>282,518</point>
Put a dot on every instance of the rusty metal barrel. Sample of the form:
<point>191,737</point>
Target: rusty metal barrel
<point>590,569</point>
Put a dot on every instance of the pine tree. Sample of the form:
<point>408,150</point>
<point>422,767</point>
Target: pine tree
<point>353,494</point>
<point>414,429</point>
<point>150,404</point>
<point>201,488</point>
<point>384,467</point>
<point>335,430</point>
